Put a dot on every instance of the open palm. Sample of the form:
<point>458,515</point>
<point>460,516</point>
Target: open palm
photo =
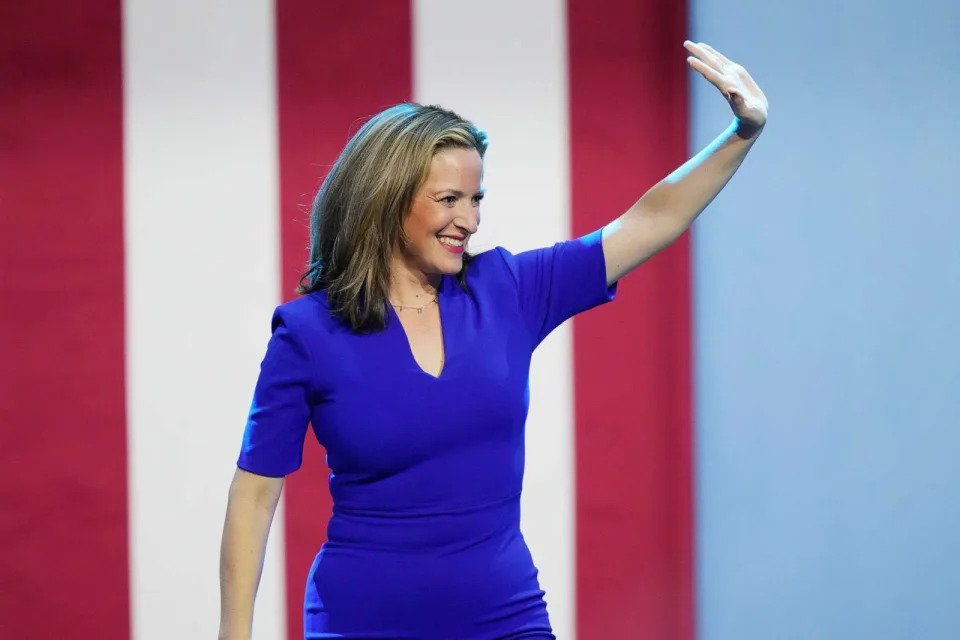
<point>745,97</point>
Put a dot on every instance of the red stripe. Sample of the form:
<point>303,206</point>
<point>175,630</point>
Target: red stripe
<point>336,62</point>
<point>628,118</point>
<point>64,495</point>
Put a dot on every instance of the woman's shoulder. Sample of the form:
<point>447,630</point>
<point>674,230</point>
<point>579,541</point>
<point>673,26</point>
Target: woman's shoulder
<point>304,307</point>
<point>495,263</point>
<point>306,315</point>
<point>520,268</point>
<point>306,304</point>
<point>498,266</point>
<point>503,260</point>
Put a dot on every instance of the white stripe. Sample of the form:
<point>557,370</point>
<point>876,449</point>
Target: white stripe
<point>202,246</point>
<point>502,64</point>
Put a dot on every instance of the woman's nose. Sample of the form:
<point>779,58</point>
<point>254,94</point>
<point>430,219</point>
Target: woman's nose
<point>470,220</point>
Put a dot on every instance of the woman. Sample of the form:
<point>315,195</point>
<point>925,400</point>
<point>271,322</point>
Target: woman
<point>410,358</point>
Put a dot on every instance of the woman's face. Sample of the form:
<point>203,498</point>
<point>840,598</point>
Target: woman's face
<point>445,212</point>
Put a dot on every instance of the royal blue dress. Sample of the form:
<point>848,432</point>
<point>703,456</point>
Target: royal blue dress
<point>424,541</point>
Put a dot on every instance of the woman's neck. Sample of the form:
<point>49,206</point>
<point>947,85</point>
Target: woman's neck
<point>410,286</point>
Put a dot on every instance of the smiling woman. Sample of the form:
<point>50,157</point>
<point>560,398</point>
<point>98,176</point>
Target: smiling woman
<point>441,220</point>
<point>397,322</point>
<point>411,359</point>
<point>396,188</point>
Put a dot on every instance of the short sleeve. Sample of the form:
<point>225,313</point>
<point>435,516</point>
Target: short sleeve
<point>557,282</point>
<point>280,411</point>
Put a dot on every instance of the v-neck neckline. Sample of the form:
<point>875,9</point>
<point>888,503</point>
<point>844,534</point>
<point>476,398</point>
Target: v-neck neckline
<point>444,346</point>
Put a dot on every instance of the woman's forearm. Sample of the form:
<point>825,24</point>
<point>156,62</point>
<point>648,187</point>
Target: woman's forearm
<point>680,197</point>
<point>250,508</point>
<point>668,208</point>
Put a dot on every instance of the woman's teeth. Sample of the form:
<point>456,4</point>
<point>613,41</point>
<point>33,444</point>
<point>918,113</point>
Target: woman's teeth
<point>451,241</point>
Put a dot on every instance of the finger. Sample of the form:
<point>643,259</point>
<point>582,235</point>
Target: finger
<point>697,49</point>
<point>708,72</point>
<point>722,58</point>
<point>702,54</point>
<point>716,78</point>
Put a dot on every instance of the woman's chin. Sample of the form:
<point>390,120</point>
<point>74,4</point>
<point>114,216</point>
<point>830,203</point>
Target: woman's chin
<point>450,266</point>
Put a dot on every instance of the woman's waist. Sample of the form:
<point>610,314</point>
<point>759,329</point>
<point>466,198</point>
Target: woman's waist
<point>423,527</point>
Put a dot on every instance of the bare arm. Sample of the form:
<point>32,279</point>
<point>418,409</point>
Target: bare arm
<point>664,212</point>
<point>250,508</point>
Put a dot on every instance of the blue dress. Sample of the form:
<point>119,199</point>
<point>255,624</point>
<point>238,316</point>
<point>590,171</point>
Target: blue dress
<point>424,541</point>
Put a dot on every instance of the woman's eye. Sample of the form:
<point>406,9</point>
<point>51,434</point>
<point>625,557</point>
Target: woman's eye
<point>449,200</point>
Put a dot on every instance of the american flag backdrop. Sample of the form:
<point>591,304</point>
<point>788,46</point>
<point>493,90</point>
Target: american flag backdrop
<point>158,163</point>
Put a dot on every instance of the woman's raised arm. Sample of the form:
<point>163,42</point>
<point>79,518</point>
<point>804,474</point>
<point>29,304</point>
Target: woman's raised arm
<point>664,212</point>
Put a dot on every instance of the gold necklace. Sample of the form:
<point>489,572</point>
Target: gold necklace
<point>401,307</point>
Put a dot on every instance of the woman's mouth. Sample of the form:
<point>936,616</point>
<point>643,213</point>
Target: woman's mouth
<point>453,245</point>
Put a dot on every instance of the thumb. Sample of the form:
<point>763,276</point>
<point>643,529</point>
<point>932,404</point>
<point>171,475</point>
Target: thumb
<point>735,98</point>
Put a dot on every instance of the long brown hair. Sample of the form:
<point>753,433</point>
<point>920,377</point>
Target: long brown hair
<point>357,217</point>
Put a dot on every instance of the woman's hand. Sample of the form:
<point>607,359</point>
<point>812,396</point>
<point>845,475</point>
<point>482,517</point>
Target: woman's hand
<point>745,97</point>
